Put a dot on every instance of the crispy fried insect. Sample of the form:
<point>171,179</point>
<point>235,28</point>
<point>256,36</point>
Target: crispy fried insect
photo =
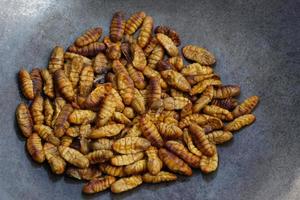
<point>102,144</point>
<point>117,27</point>
<point>209,164</point>
<point>136,168</point>
<point>200,140</point>
<point>183,153</point>
<point>177,62</point>
<point>36,110</point>
<point>145,33</point>
<point>24,119</point>
<point>100,64</point>
<point>56,162</point>
<point>125,184</point>
<point>70,56</point>
<point>56,61</point>
<point>36,81</point>
<point>61,123</point>
<point>86,81</point>
<point>168,44</point>
<point>196,69</point>
<point>134,22</point>
<point>228,104</point>
<point>89,50</point>
<point>118,100</point>
<point>150,132</point>
<point>67,67</point>
<point>175,103</point>
<point>212,124</point>
<point>75,70</point>
<point>218,112</point>
<point>169,131</point>
<point>174,163</point>
<point>113,51</point>
<point>125,87</point>
<point>168,114</point>
<point>154,93</point>
<point>66,141</point>
<point>134,131</point>
<point>201,86</point>
<point>46,133</point>
<point>226,91</point>
<point>126,51</point>
<point>35,148</point>
<point>59,103</point>
<point>186,110</point>
<point>154,164</point>
<point>156,55</point>
<point>198,54</point>
<point>130,39</point>
<point>119,68</point>
<point>240,122</point>
<point>94,98</point>
<point>112,170</point>
<point>189,143</point>
<point>150,46</point>
<point>64,85</point>
<point>136,76</point>
<point>129,112</point>
<point>107,131</point>
<point>83,174</point>
<point>170,33</point>
<point>163,65</point>
<point>150,73</point>
<point>98,184</point>
<point>194,79</point>
<point>82,116</point>
<point>138,57</point>
<point>219,137</point>
<point>73,157</point>
<point>107,110</point>
<point>121,118</point>
<point>48,112</point>
<point>90,36</point>
<point>246,106</point>
<point>199,119</point>
<point>176,80</point>
<point>160,177</point>
<point>72,131</point>
<point>205,98</point>
<point>127,159</point>
<point>48,83</point>
<point>99,156</point>
<point>129,145</point>
<point>26,84</point>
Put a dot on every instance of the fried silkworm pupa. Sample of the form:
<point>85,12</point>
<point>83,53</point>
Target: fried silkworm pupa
<point>219,137</point>
<point>138,103</point>
<point>70,56</point>
<point>246,106</point>
<point>189,143</point>
<point>128,145</point>
<point>26,84</point>
<point>107,131</point>
<point>94,98</point>
<point>125,184</point>
<point>156,55</point>
<point>175,103</point>
<point>99,156</point>
<point>127,159</point>
<point>150,132</point>
<point>72,131</point>
<point>198,54</point>
<point>86,81</point>
<point>48,83</point>
<point>100,64</point>
<point>205,98</point>
<point>90,36</point>
<point>73,157</point>
<point>136,168</point>
<point>59,103</point>
<point>137,77</point>
<point>36,110</point>
<point>150,73</point>
<point>196,69</point>
<point>64,85</point>
<point>174,163</point>
<point>212,124</point>
<point>121,118</point>
<point>169,131</point>
<point>170,33</point>
<point>145,33</point>
<point>46,133</point>
<point>129,112</point>
<point>98,184</point>
<point>48,112</point>
<point>201,86</point>
<point>57,163</point>
<point>82,116</point>
<point>113,51</point>
<point>134,22</point>
<point>61,123</point>
<point>75,70</point>
<point>154,164</point>
<point>209,164</point>
<point>134,131</point>
<point>125,87</point>
<point>37,81</point>
<point>199,119</point>
<point>218,112</point>
<point>240,122</point>
<point>35,148</point>
<point>56,61</point>
<point>194,79</point>
<point>200,140</point>
<point>138,57</point>
<point>83,174</point>
<point>163,65</point>
<point>117,27</point>
<point>66,141</point>
<point>160,177</point>
<point>112,170</point>
<point>150,46</point>
<point>89,50</point>
<point>168,44</point>
<point>186,110</point>
<point>118,100</point>
<point>107,110</point>
<point>176,80</point>
<point>101,144</point>
<point>177,62</point>
<point>226,91</point>
<point>183,153</point>
<point>154,93</point>
<point>24,119</point>
<point>228,104</point>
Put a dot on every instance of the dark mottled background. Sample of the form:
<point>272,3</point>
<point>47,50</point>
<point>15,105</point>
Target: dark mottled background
<point>256,44</point>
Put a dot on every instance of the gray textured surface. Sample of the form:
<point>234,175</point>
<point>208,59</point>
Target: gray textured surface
<point>256,44</point>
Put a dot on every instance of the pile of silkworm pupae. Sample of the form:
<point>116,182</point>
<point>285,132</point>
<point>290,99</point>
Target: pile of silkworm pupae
<point>127,110</point>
